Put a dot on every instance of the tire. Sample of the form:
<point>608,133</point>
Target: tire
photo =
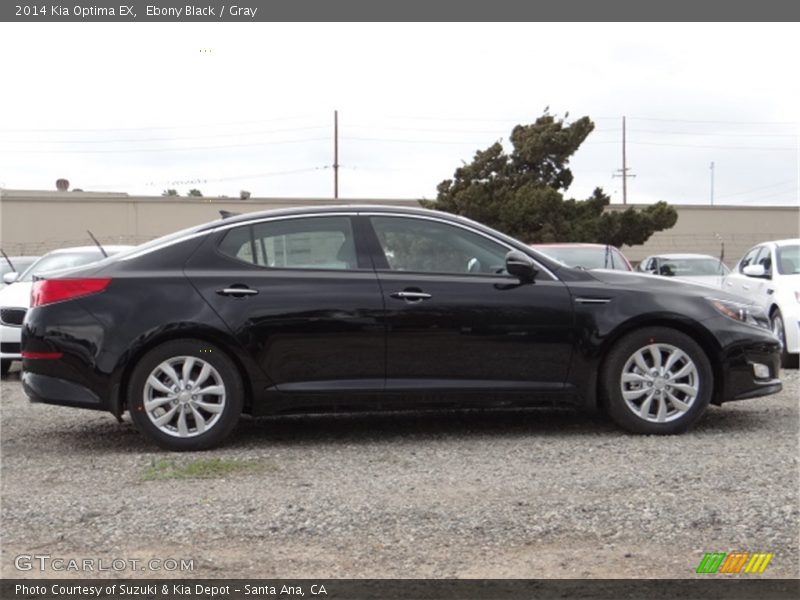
<point>779,329</point>
<point>160,390</point>
<point>638,367</point>
<point>5,366</point>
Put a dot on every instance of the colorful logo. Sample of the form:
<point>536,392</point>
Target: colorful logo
<point>734,562</point>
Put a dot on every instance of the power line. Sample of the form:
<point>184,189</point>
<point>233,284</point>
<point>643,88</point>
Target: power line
<point>715,122</point>
<point>765,187</point>
<point>163,139</point>
<point>145,150</point>
<point>159,127</point>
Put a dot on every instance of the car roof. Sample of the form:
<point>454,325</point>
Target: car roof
<point>570,245</point>
<point>679,255</point>
<point>116,248</point>
<point>321,210</point>
<point>786,242</point>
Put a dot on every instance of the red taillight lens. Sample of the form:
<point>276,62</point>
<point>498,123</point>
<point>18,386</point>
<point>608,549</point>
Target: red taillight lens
<point>48,291</point>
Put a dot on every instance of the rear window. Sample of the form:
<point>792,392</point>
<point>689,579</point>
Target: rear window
<point>62,260</point>
<point>302,243</point>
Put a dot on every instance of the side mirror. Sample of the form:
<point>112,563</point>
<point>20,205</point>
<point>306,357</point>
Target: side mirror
<point>521,265</point>
<point>755,271</point>
<point>10,277</point>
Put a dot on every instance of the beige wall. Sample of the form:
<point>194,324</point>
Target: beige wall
<point>702,229</point>
<point>32,221</point>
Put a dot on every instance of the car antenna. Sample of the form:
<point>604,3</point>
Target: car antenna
<point>98,244</point>
<point>8,260</point>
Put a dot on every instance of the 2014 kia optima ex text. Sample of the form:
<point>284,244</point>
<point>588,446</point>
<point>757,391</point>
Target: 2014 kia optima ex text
<point>365,307</point>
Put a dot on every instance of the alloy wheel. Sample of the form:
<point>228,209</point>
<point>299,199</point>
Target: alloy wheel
<point>184,396</point>
<point>659,383</point>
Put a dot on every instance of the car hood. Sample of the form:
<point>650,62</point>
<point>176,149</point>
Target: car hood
<point>16,295</point>
<point>655,283</point>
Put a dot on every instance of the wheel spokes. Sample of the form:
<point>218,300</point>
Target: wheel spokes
<point>173,406</point>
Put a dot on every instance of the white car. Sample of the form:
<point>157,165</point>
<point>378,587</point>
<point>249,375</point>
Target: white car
<point>769,275</point>
<point>13,267</point>
<point>696,268</point>
<point>15,298</point>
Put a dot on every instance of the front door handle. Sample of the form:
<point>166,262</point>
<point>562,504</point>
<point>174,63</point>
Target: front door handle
<point>410,296</point>
<point>237,291</point>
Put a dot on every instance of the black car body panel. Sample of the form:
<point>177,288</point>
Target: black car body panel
<point>311,338</point>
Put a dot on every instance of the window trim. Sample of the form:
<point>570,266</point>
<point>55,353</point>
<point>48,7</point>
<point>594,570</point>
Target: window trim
<point>220,236</point>
<point>465,227</point>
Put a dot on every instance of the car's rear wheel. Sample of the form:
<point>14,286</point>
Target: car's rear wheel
<point>185,395</point>
<point>656,380</point>
<point>779,329</point>
<point>5,366</point>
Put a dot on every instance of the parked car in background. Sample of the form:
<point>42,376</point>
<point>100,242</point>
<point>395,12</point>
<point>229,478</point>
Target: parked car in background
<point>345,307</point>
<point>586,256</point>
<point>16,297</point>
<point>769,276</point>
<point>12,267</point>
<point>696,268</point>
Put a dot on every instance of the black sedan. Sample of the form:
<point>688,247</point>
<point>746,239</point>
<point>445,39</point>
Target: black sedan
<point>344,308</point>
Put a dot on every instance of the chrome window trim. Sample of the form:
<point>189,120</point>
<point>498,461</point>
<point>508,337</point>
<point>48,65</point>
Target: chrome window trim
<point>454,224</point>
<point>349,213</point>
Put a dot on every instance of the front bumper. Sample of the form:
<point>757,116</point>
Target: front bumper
<point>750,368</point>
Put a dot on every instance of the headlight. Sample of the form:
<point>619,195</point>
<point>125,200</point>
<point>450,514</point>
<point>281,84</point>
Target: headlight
<point>745,313</point>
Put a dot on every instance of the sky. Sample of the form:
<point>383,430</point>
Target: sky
<point>224,107</point>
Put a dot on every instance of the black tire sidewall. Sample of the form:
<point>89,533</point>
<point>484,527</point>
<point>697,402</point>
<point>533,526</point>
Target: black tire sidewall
<point>234,394</point>
<point>786,358</point>
<point>612,371</point>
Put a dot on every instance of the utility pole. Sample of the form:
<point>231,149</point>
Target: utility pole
<point>336,154</point>
<point>712,183</point>
<point>623,172</point>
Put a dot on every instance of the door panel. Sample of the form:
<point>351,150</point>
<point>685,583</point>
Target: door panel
<point>477,330</point>
<point>456,320</point>
<point>316,320</point>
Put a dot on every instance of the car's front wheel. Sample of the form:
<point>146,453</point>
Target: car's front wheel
<point>656,380</point>
<point>185,395</point>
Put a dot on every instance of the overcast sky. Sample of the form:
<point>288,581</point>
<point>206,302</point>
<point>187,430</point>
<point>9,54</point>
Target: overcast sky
<point>139,108</point>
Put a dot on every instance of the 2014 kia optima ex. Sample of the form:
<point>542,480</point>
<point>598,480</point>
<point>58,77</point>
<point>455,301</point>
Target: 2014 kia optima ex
<point>365,307</point>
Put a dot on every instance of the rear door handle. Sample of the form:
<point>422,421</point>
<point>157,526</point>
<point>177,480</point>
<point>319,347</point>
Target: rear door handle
<point>410,296</point>
<point>237,291</point>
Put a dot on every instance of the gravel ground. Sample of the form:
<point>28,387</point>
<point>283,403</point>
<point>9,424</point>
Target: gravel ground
<point>477,494</point>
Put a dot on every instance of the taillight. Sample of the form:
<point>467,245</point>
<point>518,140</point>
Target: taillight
<point>47,291</point>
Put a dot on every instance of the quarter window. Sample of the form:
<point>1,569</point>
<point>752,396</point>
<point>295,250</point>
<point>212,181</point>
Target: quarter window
<point>307,243</point>
<point>424,246</point>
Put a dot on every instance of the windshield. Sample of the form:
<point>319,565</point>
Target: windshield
<point>61,260</point>
<point>587,258</point>
<point>20,264</point>
<point>693,267</point>
<point>789,260</point>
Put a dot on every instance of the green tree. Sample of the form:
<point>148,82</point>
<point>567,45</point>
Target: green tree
<point>195,192</point>
<point>521,192</point>
<point>169,192</point>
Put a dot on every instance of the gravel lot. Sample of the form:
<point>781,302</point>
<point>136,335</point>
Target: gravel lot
<point>477,494</point>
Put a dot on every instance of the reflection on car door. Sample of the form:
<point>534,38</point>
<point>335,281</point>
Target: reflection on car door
<point>752,288</point>
<point>456,320</point>
<point>301,297</point>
